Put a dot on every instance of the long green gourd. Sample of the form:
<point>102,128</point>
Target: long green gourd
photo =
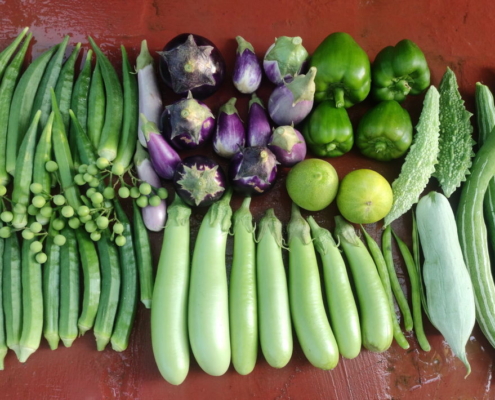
<point>449,291</point>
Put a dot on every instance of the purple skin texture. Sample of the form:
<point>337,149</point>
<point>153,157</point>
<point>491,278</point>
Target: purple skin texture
<point>292,102</point>
<point>154,217</point>
<point>247,68</point>
<point>187,124</point>
<point>230,134</point>
<point>288,145</point>
<point>163,156</point>
<point>253,170</point>
<point>258,125</point>
<point>192,63</point>
<point>199,181</point>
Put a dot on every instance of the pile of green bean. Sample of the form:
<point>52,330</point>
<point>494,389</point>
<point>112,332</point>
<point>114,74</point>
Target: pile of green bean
<point>70,258</point>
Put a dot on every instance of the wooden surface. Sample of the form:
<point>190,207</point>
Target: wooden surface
<point>458,34</point>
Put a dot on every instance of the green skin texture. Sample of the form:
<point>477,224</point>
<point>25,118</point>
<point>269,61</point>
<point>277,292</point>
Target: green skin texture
<point>328,131</point>
<point>385,132</point>
<point>344,71</point>
<point>398,71</point>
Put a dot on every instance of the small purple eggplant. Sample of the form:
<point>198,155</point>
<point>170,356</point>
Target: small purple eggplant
<point>163,156</point>
<point>258,124</point>
<point>247,68</point>
<point>285,59</point>
<point>230,134</point>
<point>154,217</point>
<point>187,123</point>
<point>253,170</point>
<point>288,145</point>
<point>292,102</point>
<point>150,100</point>
<point>199,181</point>
<point>192,63</point>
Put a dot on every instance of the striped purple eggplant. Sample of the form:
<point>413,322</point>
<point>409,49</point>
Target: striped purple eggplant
<point>292,102</point>
<point>230,134</point>
<point>288,145</point>
<point>285,59</point>
<point>247,68</point>
<point>258,125</point>
<point>187,123</point>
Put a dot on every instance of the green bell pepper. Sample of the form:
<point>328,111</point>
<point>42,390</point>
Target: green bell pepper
<point>344,71</point>
<point>385,132</point>
<point>398,71</point>
<point>328,131</point>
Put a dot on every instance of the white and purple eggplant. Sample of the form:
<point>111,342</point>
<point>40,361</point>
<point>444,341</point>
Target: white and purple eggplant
<point>259,129</point>
<point>154,217</point>
<point>253,170</point>
<point>199,181</point>
<point>163,156</point>
<point>192,63</point>
<point>187,123</point>
<point>150,99</point>
<point>290,103</point>
<point>247,68</point>
<point>230,133</point>
<point>288,145</point>
<point>285,59</point>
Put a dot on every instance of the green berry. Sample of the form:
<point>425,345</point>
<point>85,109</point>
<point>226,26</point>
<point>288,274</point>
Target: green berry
<point>145,188</point>
<point>82,211</point>
<point>97,198</point>
<point>85,218</point>
<point>154,201</point>
<point>102,222</point>
<point>42,219</point>
<point>36,246</point>
<point>102,163</point>
<point>38,201</point>
<point>142,201</point>
<point>74,223</point>
<point>36,188</point>
<point>109,193</point>
<point>88,177</point>
<point>90,226</point>
<point>90,192</point>
<point>58,224</point>
<point>120,240</point>
<point>59,200</point>
<point>163,193</point>
<point>32,210</point>
<point>93,169</point>
<point>83,168</point>
<point>124,192</point>
<point>95,236</point>
<point>67,211</point>
<point>59,240</point>
<point>79,180</point>
<point>118,228</point>
<point>118,169</point>
<point>7,216</point>
<point>51,166</point>
<point>5,232</point>
<point>3,190</point>
<point>41,258</point>
<point>94,182</point>
<point>27,234</point>
<point>46,211</point>
<point>135,192</point>
<point>36,227</point>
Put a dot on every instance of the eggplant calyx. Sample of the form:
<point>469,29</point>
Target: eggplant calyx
<point>229,107</point>
<point>144,59</point>
<point>148,127</point>
<point>303,87</point>
<point>200,183</point>
<point>243,45</point>
<point>285,137</point>
<point>140,155</point>
<point>255,100</point>
<point>188,116</point>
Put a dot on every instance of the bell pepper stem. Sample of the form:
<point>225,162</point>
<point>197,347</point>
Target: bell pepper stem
<point>403,87</point>
<point>338,95</point>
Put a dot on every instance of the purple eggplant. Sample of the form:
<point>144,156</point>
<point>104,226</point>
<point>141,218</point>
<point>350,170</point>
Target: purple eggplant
<point>230,134</point>
<point>285,59</point>
<point>188,123</point>
<point>292,102</point>
<point>192,63</point>
<point>163,156</point>
<point>154,217</point>
<point>288,145</point>
<point>247,68</point>
<point>258,125</point>
<point>199,181</point>
<point>150,100</point>
<point>253,170</point>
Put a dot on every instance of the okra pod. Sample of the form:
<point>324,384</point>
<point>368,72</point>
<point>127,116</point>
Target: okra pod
<point>51,293</point>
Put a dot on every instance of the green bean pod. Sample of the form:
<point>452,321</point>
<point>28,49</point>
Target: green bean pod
<point>7,87</point>
<point>21,194</point>
<point>51,293</point>
<point>7,53</point>
<point>42,155</point>
<point>69,288</point>
<point>127,143</point>
<point>12,292</point>
<point>342,307</point>
<point>129,291</point>
<point>208,309</point>
<point>375,315</point>
<point>110,134</point>
<point>92,281</point>
<point>306,298</point>
<point>22,106</point>
<point>65,84</point>
<point>32,303</point>
<point>415,293</point>
<point>110,291</point>
<point>170,296</point>
<point>96,106</point>
<point>394,281</point>
<point>3,339</point>
<point>273,297</point>
<point>143,256</point>
<point>243,313</point>
<point>381,266</point>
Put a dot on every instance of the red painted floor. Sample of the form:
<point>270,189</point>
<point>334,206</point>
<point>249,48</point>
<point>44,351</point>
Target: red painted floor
<point>458,34</point>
